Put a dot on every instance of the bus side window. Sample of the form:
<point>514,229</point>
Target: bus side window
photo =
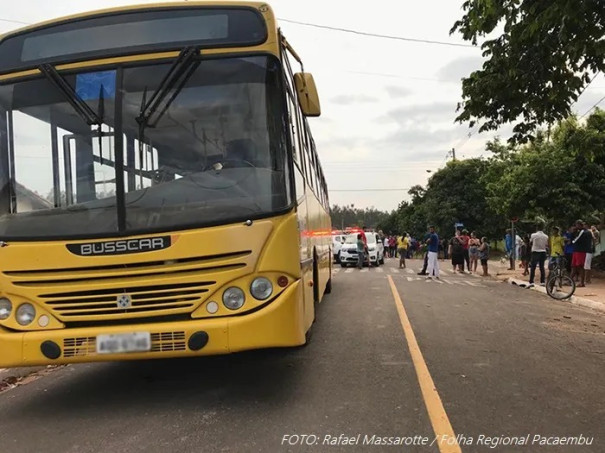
<point>296,149</point>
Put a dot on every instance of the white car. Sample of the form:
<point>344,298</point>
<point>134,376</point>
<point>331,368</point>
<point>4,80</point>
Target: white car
<point>337,241</point>
<point>348,252</point>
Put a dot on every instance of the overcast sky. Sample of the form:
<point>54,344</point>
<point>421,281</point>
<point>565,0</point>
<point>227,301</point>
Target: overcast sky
<point>388,106</point>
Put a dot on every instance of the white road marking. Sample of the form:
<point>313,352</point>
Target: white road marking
<point>478,285</point>
<point>379,269</point>
<point>348,271</point>
<point>394,271</point>
<point>410,271</point>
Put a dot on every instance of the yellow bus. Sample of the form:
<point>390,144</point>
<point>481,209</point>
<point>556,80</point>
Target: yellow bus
<point>160,190</point>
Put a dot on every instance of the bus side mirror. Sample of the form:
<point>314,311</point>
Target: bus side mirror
<point>307,94</point>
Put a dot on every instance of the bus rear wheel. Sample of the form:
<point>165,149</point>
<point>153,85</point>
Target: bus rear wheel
<point>329,286</point>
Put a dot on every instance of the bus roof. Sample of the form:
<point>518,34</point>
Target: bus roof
<point>266,8</point>
<point>139,29</point>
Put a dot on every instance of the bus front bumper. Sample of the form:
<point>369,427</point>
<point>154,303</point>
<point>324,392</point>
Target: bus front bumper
<point>279,324</point>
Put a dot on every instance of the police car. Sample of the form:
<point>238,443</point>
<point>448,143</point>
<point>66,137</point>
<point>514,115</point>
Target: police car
<point>348,252</point>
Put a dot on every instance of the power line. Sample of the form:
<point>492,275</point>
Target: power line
<point>593,107</point>
<point>15,21</point>
<point>368,190</point>
<point>376,35</point>
<point>394,76</point>
<point>584,89</point>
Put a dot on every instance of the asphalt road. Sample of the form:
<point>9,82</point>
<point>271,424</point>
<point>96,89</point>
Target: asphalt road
<point>493,362</point>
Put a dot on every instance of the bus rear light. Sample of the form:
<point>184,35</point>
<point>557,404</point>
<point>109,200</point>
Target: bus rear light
<point>282,281</point>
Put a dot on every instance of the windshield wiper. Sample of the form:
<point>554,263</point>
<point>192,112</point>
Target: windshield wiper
<point>89,116</point>
<point>176,78</point>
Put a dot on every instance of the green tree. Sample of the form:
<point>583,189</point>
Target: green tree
<point>559,180</point>
<point>349,215</point>
<point>453,194</point>
<point>537,66</point>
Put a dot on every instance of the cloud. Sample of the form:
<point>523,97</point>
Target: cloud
<point>348,99</point>
<point>416,143</point>
<point>396,92</point>
<point>435,112</point>
<point>459,68</point>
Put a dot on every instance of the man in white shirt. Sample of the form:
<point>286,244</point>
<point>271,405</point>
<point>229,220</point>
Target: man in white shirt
<point>539,244</point>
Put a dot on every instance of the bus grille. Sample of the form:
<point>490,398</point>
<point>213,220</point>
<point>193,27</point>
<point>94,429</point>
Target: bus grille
<point>158,288</point>
<point>145,299</point>
<point>160,342</point>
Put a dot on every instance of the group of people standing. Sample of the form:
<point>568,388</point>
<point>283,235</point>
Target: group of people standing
<point>462,248</point>
<point>577,245</point>
<point>470,250</point>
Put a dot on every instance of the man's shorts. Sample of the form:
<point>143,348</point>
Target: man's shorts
<point>578,259</point>
<point>588,261</point>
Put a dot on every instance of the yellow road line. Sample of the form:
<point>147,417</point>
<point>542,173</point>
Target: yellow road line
<point>444,433</point>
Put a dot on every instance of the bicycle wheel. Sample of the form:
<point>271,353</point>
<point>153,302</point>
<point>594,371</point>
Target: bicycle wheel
<point>560,287</point>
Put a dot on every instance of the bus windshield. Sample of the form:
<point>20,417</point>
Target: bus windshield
<point>216,154</point>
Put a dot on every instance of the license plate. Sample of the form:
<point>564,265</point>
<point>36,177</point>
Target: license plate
<point>124,342</point>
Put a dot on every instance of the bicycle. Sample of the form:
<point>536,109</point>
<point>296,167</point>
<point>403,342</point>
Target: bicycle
<point>559,284</point>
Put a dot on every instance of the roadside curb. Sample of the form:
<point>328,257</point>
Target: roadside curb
<point>581,301</point>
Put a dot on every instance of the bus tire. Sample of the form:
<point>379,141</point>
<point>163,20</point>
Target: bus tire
<point>308,337</point>
<point>315,284</point>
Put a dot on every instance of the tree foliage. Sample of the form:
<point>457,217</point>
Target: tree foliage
<point>537,66</point>
<point>348,216</point>
<point>557,181</point>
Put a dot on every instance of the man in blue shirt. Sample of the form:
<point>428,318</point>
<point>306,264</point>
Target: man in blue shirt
<point>508,245</point>
<point>433,254</point>
<point>568,249</point>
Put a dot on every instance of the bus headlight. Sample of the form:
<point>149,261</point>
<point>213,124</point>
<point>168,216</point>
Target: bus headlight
<point>26,313</point>
<point>6,308</point>
<point>233,298</point>
<point>261,288</point>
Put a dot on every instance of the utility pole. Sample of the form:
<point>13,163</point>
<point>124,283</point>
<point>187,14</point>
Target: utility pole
<point>454,154</point>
